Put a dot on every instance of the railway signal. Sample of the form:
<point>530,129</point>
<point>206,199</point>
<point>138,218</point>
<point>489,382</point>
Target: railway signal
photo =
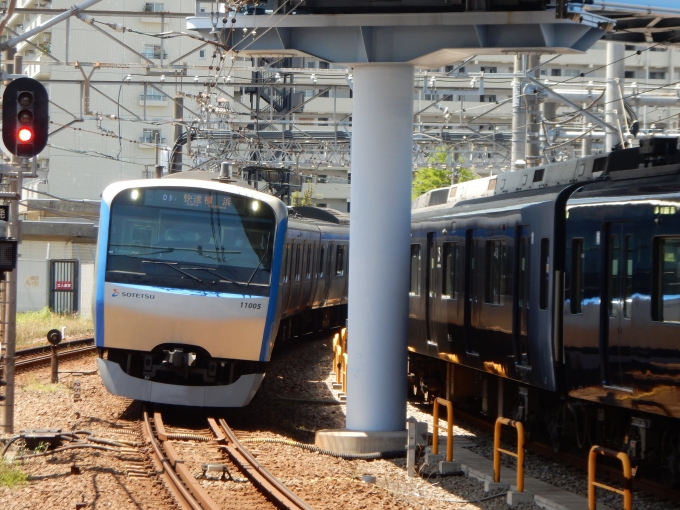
<point>25,117</point>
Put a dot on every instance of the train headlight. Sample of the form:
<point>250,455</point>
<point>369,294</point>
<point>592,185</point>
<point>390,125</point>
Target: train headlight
<point>134,195</point>
<point>255,206</point>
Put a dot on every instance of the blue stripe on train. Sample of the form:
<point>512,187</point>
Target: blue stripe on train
<point>102,243</point>
<point>274,289</point>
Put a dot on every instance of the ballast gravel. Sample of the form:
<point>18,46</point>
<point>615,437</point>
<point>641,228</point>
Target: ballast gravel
<point>295,400</point>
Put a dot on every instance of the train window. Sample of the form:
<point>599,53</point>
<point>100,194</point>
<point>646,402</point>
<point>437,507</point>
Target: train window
<point>340,260</point>
<point>493,291</point>
<point>613,275</point>
<point>298,262</point>
<point>544,267</point>
<point>666,302</point>
<point>629,252</point>
<point>415,270</point>
<point>450,280</point>
<point>308,270</point>
<point>322,252</point>
<point>284,266</point>
<point>576,287</point>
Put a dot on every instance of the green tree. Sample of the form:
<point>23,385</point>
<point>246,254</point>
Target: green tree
<point>429,178</point>
<point>302,199</point>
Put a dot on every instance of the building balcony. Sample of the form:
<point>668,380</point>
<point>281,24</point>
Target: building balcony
<point>155,100</point>
<point>149,142</point>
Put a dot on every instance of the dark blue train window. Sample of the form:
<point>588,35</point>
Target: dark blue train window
<point>284,265</point>
<point>298,262</point>
<point>576,287</point>
<point>322,252</point>
<point>414,289</point>
<point>450,280</point>
<point>545,274</point>
<point>308,271</point>
<point>493,291</point>
<point>666,302</point>
<point>340,260</point>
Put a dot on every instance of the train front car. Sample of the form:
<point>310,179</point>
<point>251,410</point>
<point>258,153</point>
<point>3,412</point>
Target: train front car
<point>185,271</point>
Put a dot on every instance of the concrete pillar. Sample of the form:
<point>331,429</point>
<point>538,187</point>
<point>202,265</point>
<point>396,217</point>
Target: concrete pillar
<point>612,101</point>
<point>549,112</point>
<point>586,141</point>
<point>519,116</point>
<point>533,117</point>
<point>382,141</point>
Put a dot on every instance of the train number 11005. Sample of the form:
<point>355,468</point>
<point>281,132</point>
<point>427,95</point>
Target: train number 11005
<point>256,306</point>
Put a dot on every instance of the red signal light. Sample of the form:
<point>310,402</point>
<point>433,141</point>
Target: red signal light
<point>25,135</point>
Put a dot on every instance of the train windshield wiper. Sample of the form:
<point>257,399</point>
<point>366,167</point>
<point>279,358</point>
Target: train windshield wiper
<point>171,265</point>
<point>161,249</point>
<point>259,263</point>
<point>211,270</point>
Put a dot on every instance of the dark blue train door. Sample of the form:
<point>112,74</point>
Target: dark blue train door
<point>620,252</point>
<point>522,286</point>
<point>433,258</point>
<point>471,305</point>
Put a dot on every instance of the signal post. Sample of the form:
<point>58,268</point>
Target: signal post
<point>25,120</point>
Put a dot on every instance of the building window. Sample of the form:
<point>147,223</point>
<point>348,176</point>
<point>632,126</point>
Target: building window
<point>544,72</point>
<point>340,260</point>
<point>450,280</point>
<point>576,287</point>
<point>149,136</point>
<point>490,70</point>
<point>629,47</point>
<point>201,54</point>
<point>572,73</point>
<point>629,74</point>
<point>414,289</point>
<point>487,99</point>
<point>154,7</point>
<point>493,294</point>
<point>657,75</point>
<point>666,291</point>
<point>153,51</point>
<point>544,267</point>
<point>556,72</point>
<point>322,205</point>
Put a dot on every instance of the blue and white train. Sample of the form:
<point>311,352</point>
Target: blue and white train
<point>197,279</point>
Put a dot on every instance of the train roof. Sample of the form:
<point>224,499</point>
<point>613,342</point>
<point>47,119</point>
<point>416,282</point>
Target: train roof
<point>655,156</point>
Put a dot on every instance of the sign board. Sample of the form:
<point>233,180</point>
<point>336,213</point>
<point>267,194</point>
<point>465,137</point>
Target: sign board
<point>4,213</point>
<point>63,285</point>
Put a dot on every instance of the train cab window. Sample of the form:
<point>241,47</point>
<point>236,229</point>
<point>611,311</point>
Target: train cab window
<point>308,266</point>
<point>576,286</point>
<point>298,262</point>
<point>340,260</point>
<point>322,252</point>
<point>666,293</point>
<point>450,280</point>
<point>544,267</point>
<point>629,252</point>
<point>613,275</point>
<point>414,289</point>
<point>284,266</point>
<point>493,291</point>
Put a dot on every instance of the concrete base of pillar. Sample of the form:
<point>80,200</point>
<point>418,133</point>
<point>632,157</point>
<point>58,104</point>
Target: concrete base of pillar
<point>354,441</point>
<point>432,458</point>
<point>515,498</point>
<point>492,486</point>
<point>449,468</point>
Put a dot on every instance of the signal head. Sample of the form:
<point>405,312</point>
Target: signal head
<point>25,135</point>
<point>25,117</point>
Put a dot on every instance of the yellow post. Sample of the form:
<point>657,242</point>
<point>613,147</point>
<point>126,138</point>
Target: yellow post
<point>343,337</point>
<point>497,450</point>
<point>344,373</point>
<point>449,428</point>
<point>337,363</point>
<point>627,477</point>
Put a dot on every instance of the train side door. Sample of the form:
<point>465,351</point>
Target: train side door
<point>433,258</point>
<point>471,305</point>
<point>522,287</point>
<point>620,251</point>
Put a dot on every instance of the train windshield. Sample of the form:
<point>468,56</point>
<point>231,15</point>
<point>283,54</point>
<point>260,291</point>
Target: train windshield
<point>191,239</point>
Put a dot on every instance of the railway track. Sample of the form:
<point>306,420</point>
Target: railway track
<point>578,461</point>
<point>259,488</point>
<point>38,356</point>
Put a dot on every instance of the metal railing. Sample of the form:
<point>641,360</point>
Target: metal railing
<point>627,492</point>
<point>497,450</point>
<point>449,428</point>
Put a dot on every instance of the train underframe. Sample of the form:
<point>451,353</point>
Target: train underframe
<point>568,424</point>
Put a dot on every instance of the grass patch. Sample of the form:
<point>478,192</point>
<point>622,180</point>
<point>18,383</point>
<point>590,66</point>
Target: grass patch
<point>41,387</point>
<point>11,475</point>
<point>32,327</point>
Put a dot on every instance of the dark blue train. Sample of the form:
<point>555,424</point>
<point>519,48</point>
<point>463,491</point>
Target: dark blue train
<point>552,295</point>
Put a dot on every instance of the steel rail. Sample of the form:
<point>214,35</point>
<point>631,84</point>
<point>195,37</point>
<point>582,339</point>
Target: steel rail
<point>47,358</point>
<point>47,348</point>
<point>267,483</point>
<point>164,468</point>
